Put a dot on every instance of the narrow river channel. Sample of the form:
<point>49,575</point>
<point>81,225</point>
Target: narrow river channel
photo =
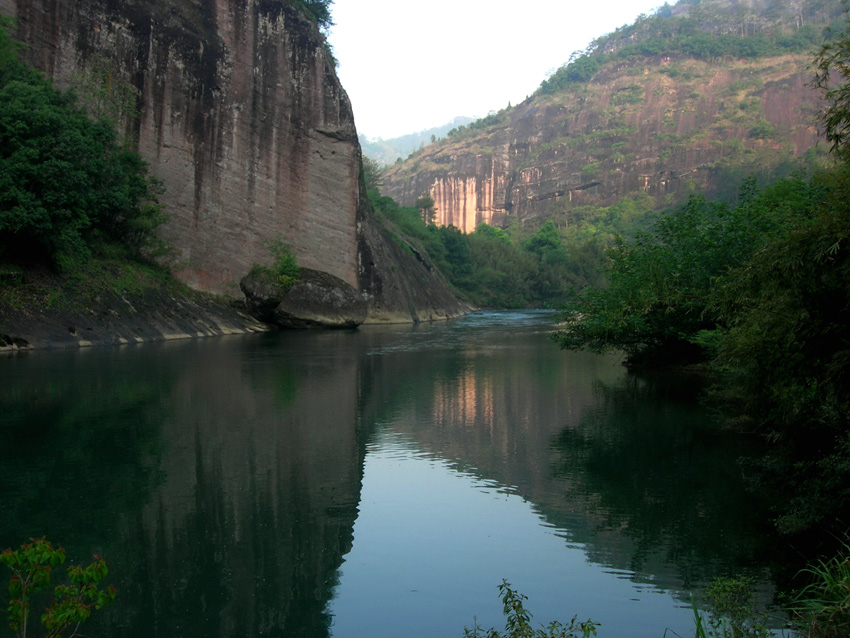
<point>378,483</point>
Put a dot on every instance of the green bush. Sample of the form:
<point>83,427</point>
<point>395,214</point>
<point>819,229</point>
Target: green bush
<point>284,271</point>
<point>518,621</point>
<point>72,604</point>
<point>822,608</point>
<point>67,187</point>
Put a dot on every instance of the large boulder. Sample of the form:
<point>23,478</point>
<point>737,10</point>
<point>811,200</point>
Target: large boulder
<point>317,300</point>
<point>263,293</point>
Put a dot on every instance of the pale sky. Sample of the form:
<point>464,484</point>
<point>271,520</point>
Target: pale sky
<point>410,65</point>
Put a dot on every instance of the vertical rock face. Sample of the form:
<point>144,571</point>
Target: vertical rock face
<point>660,126</point>
<point>242,117</point>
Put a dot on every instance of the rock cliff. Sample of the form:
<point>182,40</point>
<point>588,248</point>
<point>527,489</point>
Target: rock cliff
<point>663,126</point>
<point>241,116</point>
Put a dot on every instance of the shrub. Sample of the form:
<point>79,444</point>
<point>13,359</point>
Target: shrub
<point>822,608</point>
<point>72,604</point>
<point>67,186</point>
<point>284,271</point>
<point>518,622</point>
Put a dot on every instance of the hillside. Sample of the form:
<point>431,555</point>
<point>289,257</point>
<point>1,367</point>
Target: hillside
<point>386,152</point>
<point>690,99</point>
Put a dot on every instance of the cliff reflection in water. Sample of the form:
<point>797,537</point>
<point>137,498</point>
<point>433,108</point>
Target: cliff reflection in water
<point>630,467</point>
<point>221,479</point>
<point>255,474</point>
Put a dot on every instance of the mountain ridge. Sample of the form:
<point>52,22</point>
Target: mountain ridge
<point>388,151</point>
<point>666,124</point>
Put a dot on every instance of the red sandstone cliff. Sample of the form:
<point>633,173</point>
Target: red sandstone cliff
<point>241,116</point>
<point>661,126</point>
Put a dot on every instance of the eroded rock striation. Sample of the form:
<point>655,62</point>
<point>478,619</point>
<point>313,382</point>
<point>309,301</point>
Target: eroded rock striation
<point>241,116</point>
<point>662,126</point>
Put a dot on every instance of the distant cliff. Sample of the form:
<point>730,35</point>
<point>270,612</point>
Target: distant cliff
<point>241,116</point>
<point>661,126</point>
<point>690,98</point>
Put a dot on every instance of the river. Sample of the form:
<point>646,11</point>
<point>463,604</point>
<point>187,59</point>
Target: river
<point>376,483</point>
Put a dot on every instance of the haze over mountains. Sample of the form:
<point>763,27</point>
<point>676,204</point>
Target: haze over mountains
<point>386,152</point>
<point>691,98</point>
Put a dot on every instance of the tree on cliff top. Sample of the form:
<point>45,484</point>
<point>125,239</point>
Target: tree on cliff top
<point>318,10</point>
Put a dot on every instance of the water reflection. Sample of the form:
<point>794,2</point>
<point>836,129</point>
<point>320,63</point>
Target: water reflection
<point>658,485</point>
<point>220,480</point>
<point>288,484</point>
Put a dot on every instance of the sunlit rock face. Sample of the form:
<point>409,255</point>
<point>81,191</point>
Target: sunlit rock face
<point>241,116</point>
<point>663,127</point>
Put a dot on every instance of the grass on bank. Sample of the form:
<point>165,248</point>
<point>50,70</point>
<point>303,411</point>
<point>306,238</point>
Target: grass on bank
<point>821,609</point>
<point>41,287</point>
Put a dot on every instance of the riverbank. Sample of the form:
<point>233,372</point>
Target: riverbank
<point>109,302</point>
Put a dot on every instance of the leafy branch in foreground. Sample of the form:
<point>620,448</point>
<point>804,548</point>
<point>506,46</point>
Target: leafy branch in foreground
<point>518,622</point>
<point>32,565</point>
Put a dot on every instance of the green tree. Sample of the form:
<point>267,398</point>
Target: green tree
<point>492,233</point>
<point>545,241</point>
<point>67,187</point>
<point>32,570</point>
<point>318,10</point>
<point>425,204</point>
<point>553,265</point>
<point>832,67</point>
<point>372,174</point>
<point>657,305</point>
<point>501,273</point>
<point>458,253</point>
<point>785,354</point>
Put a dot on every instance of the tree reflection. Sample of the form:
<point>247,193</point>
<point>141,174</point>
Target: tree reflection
<point>655,471</point>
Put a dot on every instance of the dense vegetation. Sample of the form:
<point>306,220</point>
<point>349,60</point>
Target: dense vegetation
<point>759,289</point>
<point>494,268</point>
<point>707,30</point>
<point>318,10</point>
<point>69,187</point>
<point>532,265</point>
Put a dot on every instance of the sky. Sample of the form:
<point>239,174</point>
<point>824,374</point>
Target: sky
<point>411,65</point>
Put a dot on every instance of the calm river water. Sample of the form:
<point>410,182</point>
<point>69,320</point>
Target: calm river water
<point>375,483</point>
